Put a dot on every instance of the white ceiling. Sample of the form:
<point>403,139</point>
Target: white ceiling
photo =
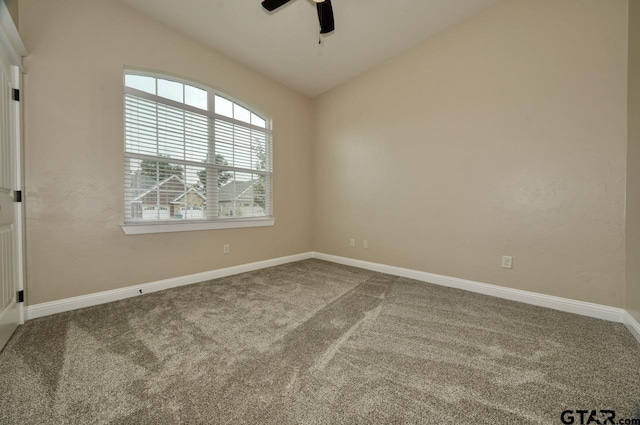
<point>284,44</point>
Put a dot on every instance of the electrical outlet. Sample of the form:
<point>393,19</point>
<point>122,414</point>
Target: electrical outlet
<point>507,262</point>
<point>365,244</point>
<point>352,242</point>
<point>226,249</point>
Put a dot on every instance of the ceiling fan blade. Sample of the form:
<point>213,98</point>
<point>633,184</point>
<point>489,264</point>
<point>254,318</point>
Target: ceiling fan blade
<point>325,16</point>
<point>272,5</point>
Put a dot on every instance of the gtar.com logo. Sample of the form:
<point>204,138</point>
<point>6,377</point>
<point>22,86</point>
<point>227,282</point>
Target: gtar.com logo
<point>594,417</point>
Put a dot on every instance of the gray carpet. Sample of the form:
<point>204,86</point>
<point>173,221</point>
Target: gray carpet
<point>315,343</point>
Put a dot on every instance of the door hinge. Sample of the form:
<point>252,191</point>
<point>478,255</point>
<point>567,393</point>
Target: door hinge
<point>16,95</point>
<point>20,296</point>
<point>17,195</point>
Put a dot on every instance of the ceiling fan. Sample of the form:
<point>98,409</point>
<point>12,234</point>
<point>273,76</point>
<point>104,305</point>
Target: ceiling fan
<point>325,12</point>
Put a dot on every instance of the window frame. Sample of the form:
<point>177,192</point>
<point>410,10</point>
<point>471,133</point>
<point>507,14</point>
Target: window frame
<point>141,226</point>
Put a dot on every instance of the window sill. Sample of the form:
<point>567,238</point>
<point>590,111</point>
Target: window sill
<point>144,228</point>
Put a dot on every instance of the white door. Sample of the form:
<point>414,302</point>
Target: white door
<point>9,307</point>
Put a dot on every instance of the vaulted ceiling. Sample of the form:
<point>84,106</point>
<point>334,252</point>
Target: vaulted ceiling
<point>284,44</point>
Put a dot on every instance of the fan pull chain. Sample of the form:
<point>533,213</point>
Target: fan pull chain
<point>320,34</point>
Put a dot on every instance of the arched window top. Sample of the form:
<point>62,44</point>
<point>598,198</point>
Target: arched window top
<point>193,95</point>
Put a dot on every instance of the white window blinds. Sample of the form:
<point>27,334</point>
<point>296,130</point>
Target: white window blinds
<point>193,154</point>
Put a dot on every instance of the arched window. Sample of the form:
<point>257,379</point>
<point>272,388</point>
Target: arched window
<point>190,146</point>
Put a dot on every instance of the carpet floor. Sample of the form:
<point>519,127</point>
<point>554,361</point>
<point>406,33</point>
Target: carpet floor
<point>314,342</point>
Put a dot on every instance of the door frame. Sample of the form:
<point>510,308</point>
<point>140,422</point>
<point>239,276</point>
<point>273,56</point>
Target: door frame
<point>10,38</point>
<point>19,210</point>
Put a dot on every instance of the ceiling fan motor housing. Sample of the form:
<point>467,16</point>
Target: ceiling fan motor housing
<point>325,12</point>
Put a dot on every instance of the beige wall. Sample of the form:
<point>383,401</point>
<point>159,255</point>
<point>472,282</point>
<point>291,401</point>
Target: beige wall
<point>74,152</point>
<point>632,296</point>
<point>504,135</point>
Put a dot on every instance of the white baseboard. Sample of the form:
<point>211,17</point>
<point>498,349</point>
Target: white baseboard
<point>557,303</point>
<point>563,304</point>
<point>68,304</point>
<point>632,324</point>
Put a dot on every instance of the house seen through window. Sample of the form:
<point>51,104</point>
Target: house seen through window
<point>192,153</point>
